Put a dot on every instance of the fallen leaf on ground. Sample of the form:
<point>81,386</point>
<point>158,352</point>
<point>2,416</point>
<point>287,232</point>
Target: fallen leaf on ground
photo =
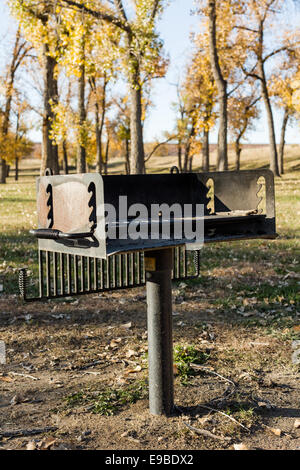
<point>204,420</point>
<point>133,371</point>
<point>6,379</point>
<point>46,443</point>
<point>240,446</point>
<point>115,342</point>
<point>31,445</point>
<point>121,380</point>
<point>297,424</point>
<point>130,353</point>
<point>275,431</point>
<point>245,375</point>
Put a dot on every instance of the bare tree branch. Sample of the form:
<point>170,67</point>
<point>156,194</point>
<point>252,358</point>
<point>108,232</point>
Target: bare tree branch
<point>156,147</point>
<point>99,14</point>
<point>277,51</point>
<point>120,7</point>
<point>155,9</point>
<point>246,29</point>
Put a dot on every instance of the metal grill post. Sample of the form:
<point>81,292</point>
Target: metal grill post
<point>158,266</point>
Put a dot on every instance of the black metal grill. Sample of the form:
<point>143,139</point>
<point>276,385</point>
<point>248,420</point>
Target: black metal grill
<point>84,261</point>
<point>76,256</point>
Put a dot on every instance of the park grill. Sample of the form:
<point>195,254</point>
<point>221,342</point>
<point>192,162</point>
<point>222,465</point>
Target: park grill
<point>84,245</point>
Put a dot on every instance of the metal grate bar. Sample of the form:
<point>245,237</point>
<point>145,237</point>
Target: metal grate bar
<point>74,275</point>
<point>69,275</point>
<point>96,279</point>
<point>41,274</point>
<point>76,291</point>
<point>48,272</point>
<point>55,290</point>
<point>62,274</point>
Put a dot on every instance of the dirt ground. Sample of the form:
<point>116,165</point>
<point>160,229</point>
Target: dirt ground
<point>79,367</point>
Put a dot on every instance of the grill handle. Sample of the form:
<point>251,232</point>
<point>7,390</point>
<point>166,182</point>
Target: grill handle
<point>52,234</point>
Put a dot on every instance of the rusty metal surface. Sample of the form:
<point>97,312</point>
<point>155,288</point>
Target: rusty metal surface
<point>72,203</point>
<point>70,209</point>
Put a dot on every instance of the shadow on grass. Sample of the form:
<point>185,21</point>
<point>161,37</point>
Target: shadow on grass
<point>17,200</point>
<point>232,406</point>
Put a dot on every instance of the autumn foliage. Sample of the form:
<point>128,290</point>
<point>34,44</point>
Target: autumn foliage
<point>244,58</point>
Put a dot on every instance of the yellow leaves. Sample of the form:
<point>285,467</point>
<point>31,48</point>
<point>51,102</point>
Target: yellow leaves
<point>231,46</point>
<point>242,112</point>
<point>37,24</point>
<point>199,92</point>
<point>63,29</point>
<point>65,122</point>
<point>260,8</point>
<point>284,89</point>
<point>10,147</point>
<point>294,92</point>
<point>196,146</point>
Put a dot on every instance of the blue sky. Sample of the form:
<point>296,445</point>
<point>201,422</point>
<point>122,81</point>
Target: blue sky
<point>175,28</point>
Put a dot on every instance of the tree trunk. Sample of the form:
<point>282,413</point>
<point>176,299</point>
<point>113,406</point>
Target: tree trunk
<point>222,159</point>
<point>191,163</point>
<point>50,95</point>
<point>81,151</point>
<point>99,123</point>
<point>271,128</point>
<point>65,157</point>
<point>106,155</point>
<point>7,170</point>
<point>8,101</point>
<point>2,171</point>
<point>186,158</point>
<point>282,141</point>
<point>16,169</point>
<point>205,151</point>
<point>16,142</point>
<point>127,157</point>
<point>98,140</point>
<point>137,155</point>
<point>137,152</point>
<point>267,102</point>
<point>179,155</point>
<point>187,163</point>
<point>238,151</point>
